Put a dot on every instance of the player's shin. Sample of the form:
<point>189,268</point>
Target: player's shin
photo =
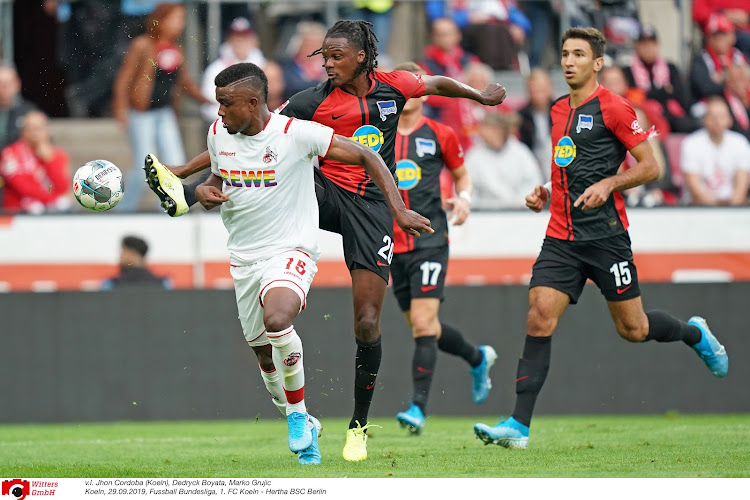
<point>663,327</point>
<point>366,366</point>
<point>530,377</point>
<point>288,359</point>
<point>275,388</point>
<point>423,366</point>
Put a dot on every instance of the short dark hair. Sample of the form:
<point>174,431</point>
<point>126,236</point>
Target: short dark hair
<point>252,73</point>
<point>136,244</point>
<point>411,67</point>
<point>360,34</point>
<point>592,35</point>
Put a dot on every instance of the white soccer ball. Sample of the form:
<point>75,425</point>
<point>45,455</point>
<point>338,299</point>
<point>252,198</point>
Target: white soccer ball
<point>98,185</point>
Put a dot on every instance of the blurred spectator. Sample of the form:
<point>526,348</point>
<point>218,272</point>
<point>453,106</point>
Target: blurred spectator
<point>13,107</point>
<point>133,272</point>
<point>276,84</point>
<point>444,55</point>
<point>737,95</point>
<point>377,12</point>
<point>541,15</point>
<point>716,160</point>
<point>300,71</point>
<point>34,171</point>
<point>661,81</point>
<point>613,78</point>
<point>617,19</point>
<point>707,69</point>
<point>241,45</point>
<point>738,13</point>
<point>494,30</point>
<point>536,122</point>
<point>661,191</point>
<point>152,74</point>
<point>502,168</point>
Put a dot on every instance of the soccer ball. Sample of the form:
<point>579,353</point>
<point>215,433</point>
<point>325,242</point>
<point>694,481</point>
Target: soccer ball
<point>98,185</point>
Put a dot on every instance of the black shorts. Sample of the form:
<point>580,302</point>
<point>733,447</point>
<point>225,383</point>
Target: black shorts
<point>608,262</point>
<point>419,274</point>
<point>366,226</point>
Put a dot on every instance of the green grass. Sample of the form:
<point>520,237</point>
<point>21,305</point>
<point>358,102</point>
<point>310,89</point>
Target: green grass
<point>586,446</point>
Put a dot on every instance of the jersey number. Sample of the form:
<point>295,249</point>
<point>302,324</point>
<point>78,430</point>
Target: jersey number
<point>621,272</point>
<point>430,272</point>
<point>300,267</point>
<point>387,251</point>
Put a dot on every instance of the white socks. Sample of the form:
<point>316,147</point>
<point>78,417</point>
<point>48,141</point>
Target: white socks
<point>287,357</point>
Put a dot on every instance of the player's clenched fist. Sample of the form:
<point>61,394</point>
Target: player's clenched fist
<point>537,199</point>
<point>493,95</point>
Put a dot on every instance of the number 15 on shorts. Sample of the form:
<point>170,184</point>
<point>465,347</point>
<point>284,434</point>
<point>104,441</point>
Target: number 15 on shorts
<point>621,272</point>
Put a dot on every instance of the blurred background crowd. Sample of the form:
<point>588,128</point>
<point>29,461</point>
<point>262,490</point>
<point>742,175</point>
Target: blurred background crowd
<point>122,78</point>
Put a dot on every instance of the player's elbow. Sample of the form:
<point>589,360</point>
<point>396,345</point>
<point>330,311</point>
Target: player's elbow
<point>652,170</point>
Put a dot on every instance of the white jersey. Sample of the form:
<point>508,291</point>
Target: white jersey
<point>269,178</point>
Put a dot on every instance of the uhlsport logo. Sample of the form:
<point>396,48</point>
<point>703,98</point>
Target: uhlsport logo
<point>16,488</point>
<point>565,152</point>
<point>369,136</point>
<point>409,174</point>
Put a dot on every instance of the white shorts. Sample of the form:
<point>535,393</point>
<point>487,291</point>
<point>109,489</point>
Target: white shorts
<point>293,269</point>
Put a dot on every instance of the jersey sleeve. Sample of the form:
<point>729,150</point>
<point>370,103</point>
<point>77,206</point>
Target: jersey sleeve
<point>310,138</point>
<point>409,84</point>
<point>450,147</point>
<point>619,118</point>
<point>301,105</point>
<point>211,146</point>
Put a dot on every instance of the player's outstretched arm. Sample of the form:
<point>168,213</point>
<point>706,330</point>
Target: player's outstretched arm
<point>200,162</point>
<point>209,193</point>
<point>493,95</point>
<point>352,153</point>
<point>537,199</point>
<point>642,172</point>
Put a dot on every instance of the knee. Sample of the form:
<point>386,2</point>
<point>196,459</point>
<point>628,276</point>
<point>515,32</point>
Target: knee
<point>367,325</point>
<point>540,323</point>
<point>633,331</point>
<point>424,326</point>
<point>276,321</point>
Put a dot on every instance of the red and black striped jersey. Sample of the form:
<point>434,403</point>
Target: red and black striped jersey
<point>420,156</point>
<point>589,144</point>
<point>371,119</point>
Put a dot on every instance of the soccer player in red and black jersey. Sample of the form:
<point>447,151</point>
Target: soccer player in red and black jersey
<point>587,237</point>
<point>419,265</point>
<point>364,104</point>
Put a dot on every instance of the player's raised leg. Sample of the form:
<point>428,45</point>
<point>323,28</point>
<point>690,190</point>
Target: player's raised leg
<point>368,292</point>
<point>166,186</point>
<point>546,306</point>
<point>480,359</point>
<point>635,325</point>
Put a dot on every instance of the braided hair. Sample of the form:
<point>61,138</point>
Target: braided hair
<point>360,35</point>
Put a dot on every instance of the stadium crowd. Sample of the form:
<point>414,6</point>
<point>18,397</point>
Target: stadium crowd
<point>698,115</point>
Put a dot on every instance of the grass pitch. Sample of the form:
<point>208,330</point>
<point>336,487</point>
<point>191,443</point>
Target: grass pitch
<point>586,446</point>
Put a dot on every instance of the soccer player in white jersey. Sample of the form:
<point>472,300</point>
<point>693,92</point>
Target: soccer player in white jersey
<point>262,177</point>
